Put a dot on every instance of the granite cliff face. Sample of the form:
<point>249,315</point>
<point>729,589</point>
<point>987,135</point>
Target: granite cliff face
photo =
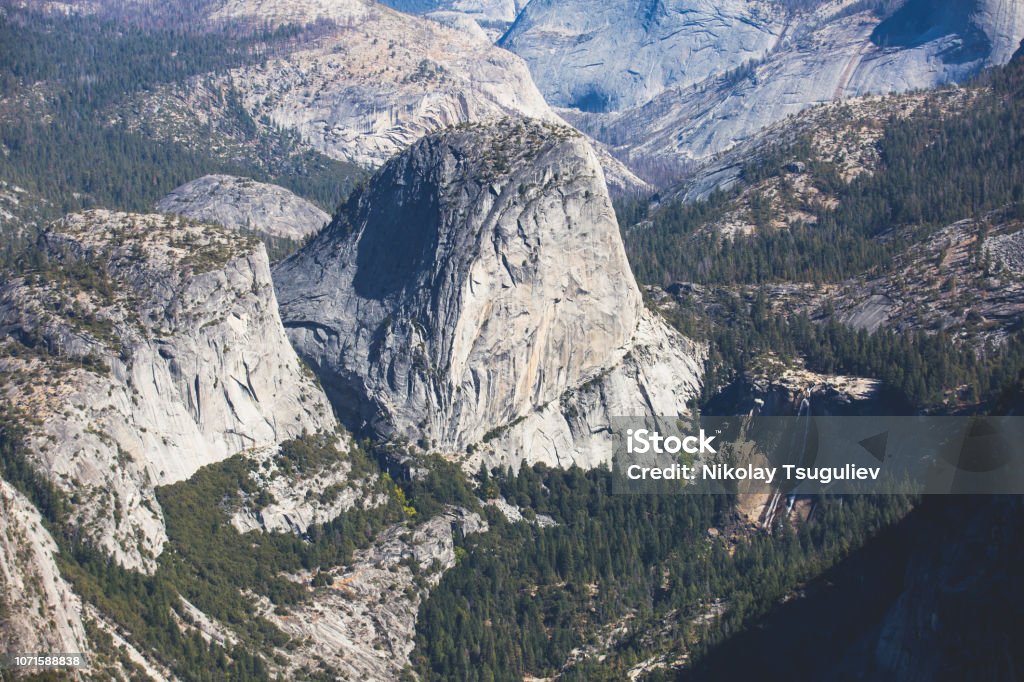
<point>241,203</point>
<point>38,610</point>
<point>379,80</point>
<point>748,64</point>
<point>145,348</point>
<point>595,55</point>
<point>477,296</point>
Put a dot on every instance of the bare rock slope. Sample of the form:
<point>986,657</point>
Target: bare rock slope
<point>491,16</point>
<point>477,296</point>
<point>242,203</point>
<point>379,80</point>
<point>38,610</point>
<point>363,625</point>
<point>145,348</point>
<point>596,55</point>
<point>617,67</point>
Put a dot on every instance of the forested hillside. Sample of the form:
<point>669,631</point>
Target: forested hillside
<point>638,586</point>
<point>935,168</point>
<point>64,79</point>
<point>385,552</point>
<point>632,576</point>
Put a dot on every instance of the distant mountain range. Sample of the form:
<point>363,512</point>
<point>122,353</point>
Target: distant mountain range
<point>668,83</point>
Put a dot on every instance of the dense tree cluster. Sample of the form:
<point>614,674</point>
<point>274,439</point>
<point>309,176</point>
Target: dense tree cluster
<point>936,169</point>
<point>62,79</point>
<point>522,599</point>
<point>922,367</point>
<point>206,561</point>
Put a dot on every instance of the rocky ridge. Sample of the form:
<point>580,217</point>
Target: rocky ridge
<point>477,297</point>
<point>242,203</point>
<point>39,612</point>
<point>380,80</point>
<point>966,279</point>
<point>376,82</point>
<point>146,347</point>
<point>363,624</point>
<point>297,502</point>
<point>833,51</point>
<point>600,56</point>
<point>844,133</point>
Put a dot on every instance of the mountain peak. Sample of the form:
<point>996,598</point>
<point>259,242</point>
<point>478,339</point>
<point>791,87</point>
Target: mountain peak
<point>479,279</point>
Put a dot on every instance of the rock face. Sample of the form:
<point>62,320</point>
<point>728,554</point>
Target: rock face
<point>596,55</point>
<point>381,80</point>
<point>802,58</point>
<point>242,203</point>
<point>301,500</point>
<point>974,303</point>
<point>149,347</point>
<point>477,295</point>
<point>364,624</point>
<point>493,17</point>
<point>956,592</point>
<point>844,132</point>
<point>38,610</point>
<point>366,92</point>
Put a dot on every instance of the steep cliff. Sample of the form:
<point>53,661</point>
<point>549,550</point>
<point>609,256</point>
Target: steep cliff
<point>747,65</point>
<point>381,80</point>
<point>477,296</point>
<point>242,203</point>
<point>38,610</point>
<point>142,348</point>
<point>595,55</point>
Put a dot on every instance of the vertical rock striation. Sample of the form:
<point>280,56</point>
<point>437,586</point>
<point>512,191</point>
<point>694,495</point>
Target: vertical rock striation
<point>595,55</point>
<point>144,348</point>
<point>38,611</point>
<point>477,296</point>
<point>687,79</point>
